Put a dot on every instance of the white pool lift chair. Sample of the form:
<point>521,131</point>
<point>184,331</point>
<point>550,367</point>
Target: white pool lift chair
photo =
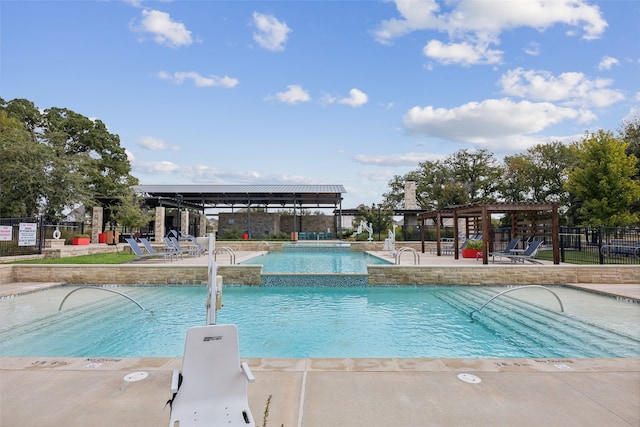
<point>212,388</point>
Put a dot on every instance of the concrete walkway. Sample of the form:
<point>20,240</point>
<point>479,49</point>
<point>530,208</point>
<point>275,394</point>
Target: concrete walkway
<point>95,392</point>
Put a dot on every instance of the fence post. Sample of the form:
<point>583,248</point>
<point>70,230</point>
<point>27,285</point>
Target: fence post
<point>600,239</point>
<point>42,235</point>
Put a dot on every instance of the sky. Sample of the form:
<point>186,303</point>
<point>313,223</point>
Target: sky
<point>350,92</point>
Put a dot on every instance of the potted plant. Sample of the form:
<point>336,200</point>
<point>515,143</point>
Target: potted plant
<point>472,249</point>
<point>81,239</point>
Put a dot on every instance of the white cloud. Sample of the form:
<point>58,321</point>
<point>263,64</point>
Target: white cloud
<point>493,123</point>
<point>473,26</point>
<point>401,159</point>
<point>200,81</point>
<point>464,53</point>
<point>293,95</point>
<point>271,34</point>
<point>607,62</point>
<point>532,49</point>
<point>155,144</point>
<point>356,98</point>
<point>165,31</point>
<point>155,167</point>
<point>570,89</point>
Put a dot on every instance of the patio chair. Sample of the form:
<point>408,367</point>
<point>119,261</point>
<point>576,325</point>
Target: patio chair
<point>140,253</point>
<point>509,250</point>
<point>190,250</point>
<point>528,254</point>
<point>199,249</point>
<point>212,388</point>
<point>147,245</point>
<point>171,248</point>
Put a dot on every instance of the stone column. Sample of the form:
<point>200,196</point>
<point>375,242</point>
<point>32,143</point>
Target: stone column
<point>410,195</point>
<point>203,225</point>
<point>159,224</point>
<point>96,224</point>
<point>184,221</point>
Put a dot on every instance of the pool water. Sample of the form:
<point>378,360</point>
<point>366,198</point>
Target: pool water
<point>284,322</point>
<point>315,261</point>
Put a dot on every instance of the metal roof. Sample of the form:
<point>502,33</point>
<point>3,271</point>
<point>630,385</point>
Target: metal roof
<point>242,195</point>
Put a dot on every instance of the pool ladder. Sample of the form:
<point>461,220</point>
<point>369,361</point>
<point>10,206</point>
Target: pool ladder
<point>231,252</point>
<point>416,255</point>
<point>515,289</point>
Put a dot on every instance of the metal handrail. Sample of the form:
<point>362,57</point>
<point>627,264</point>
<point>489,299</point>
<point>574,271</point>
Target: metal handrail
<point>232,254</point>
<point>416,256</point>
<point>515,289</point>
<point>103,289</point>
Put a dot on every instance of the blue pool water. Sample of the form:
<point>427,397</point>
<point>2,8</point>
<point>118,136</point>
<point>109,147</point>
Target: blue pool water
<point>315,261</point>
<point>425,321</point>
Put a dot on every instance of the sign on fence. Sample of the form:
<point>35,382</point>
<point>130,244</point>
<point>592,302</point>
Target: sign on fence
<point>27,234</point>
<point>6,233</point>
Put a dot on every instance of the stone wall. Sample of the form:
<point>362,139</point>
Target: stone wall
<point>378,274</point>
<point>503,275</point>
<point>127,274</point>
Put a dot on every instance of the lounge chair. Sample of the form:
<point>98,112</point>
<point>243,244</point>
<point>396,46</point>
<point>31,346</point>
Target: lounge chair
<point>190,250</point>
<point>147,245</point>
<point>528,254</point>
<point>509,250</point>
<point>140,253</point>
<point>212,388</point>
<point>197,247</point>
<point>171,248</point>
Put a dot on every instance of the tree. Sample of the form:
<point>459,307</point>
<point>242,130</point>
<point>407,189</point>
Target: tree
<point>476,171</point>
<point>129,213</point>
<point>58,160</point>
<point>22,166</point>
<point>602,180</point>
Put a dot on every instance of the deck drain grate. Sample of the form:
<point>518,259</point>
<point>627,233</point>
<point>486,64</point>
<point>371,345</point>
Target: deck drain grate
<point>135,376</point>
<point>468,378</point>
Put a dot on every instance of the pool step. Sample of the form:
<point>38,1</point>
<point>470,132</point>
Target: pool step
<point>534,327</point>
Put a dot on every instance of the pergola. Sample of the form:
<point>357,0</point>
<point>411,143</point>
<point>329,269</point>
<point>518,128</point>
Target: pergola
<point>538,215</point>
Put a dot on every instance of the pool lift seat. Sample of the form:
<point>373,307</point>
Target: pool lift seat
<point>211,390</point>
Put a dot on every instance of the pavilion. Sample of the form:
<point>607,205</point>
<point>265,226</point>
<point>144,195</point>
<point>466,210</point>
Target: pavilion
<point>530,219</point>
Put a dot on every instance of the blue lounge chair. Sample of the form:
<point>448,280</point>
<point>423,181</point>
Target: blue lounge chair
<point>147,245</point>
<point>528,254</point>
<point>172,248</point>
<point>509,250</point>
<point>190,250</point>
<point>140,253</point>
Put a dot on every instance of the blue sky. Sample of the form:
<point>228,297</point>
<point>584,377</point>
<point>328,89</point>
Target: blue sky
<point>324,92</point>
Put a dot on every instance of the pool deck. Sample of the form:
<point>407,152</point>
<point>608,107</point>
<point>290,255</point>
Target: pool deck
<point>59,391</point>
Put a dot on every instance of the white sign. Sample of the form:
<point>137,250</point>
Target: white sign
<point>6,232</point>
<point>27,234</point>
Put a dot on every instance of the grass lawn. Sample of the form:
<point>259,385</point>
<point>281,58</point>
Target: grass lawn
<point>109,258</point>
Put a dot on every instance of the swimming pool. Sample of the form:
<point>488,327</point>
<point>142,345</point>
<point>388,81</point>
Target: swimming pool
<point>338,259</point>
<point>412,321</point>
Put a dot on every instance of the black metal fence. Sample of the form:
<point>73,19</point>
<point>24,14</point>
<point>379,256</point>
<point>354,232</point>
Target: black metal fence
<point>578,245</point>
<point>600,245</point>
<point>26,236</point>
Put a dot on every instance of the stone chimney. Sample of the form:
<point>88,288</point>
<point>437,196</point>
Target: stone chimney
<point>410,195</point>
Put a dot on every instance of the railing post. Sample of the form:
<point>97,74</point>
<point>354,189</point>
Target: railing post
<point>600,240</point>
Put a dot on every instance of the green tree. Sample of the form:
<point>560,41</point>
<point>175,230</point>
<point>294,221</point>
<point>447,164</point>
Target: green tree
<point>129,213</point>
<point>66,160</point>
<point>478,172</point>
<point>602,180</point>
<point>22,166</point>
